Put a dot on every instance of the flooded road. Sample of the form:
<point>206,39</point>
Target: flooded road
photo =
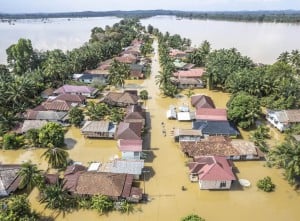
<point>168,173</point>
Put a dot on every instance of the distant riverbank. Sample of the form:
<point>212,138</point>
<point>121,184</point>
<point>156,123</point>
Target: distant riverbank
<point>285,16</point>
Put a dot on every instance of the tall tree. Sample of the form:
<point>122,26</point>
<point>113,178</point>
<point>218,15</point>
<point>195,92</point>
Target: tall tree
<point>20,56</point>
<point>56,157</point>
<point>52,134</point>
<point>243,109</point>
<point>30,176</point>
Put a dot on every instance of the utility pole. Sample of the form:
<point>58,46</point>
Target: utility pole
<point>144,172</point>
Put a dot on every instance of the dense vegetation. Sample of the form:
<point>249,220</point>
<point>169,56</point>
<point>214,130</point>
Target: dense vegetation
<point>30,71</point>
<point>163,80</point>
<point>252,16</point>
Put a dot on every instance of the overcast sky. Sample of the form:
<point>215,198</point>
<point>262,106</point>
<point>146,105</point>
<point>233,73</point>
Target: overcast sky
<point>20,6</point>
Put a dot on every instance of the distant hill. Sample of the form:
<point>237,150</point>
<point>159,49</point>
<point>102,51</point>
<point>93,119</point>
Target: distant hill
<point>288,16</point>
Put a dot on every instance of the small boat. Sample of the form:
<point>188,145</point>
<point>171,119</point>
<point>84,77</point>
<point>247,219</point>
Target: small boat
<point>244,182</point>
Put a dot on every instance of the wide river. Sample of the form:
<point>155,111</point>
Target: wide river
<point>263,42</point>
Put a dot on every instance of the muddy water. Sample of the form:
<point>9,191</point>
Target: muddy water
<point>168,173</point>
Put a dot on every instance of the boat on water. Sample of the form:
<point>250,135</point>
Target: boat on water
<point>244,182</point>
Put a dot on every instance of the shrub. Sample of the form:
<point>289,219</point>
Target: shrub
<point>266,184</point>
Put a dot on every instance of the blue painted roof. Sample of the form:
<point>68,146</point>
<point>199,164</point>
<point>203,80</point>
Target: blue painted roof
<point>216,128</point>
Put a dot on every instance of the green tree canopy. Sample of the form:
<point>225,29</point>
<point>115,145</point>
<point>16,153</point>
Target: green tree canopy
<point>56,157</point>
<point>21,57</point>
<point>76,116</point>
<point>287,157</point>
<point>243,110</point>
<point>192,217</point>
<point>52,134</point>
<point>221,63</point>
<point>30,176</point>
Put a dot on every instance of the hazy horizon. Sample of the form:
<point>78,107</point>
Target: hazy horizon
<point>56,6</point>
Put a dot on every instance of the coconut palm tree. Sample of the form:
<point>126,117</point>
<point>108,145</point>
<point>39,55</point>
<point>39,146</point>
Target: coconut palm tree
<point>30,176</point>
<point>287,156</point>
<point>56,157</point>
<point>56,198</point>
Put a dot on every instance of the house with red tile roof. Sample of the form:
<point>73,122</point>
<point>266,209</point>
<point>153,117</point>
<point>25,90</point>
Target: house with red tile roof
<point>191,73</point>
<point>129,131</point>
<point>211,114</point>
<point>176,53</point>
<point>212,172</point>
<point>131,149</point>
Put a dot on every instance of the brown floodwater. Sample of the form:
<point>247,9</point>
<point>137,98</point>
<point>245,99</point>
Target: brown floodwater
<point>168,173</point>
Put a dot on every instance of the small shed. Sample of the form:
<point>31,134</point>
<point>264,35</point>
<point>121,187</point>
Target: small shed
<point>185,116</point>
<point>99,129</point>
<point>187,135</point>
<point>171,113</point>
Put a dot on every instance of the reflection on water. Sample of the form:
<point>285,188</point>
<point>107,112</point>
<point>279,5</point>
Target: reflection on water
<point>167,200</point>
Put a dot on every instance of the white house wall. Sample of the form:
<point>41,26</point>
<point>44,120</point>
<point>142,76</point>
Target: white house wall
<point>206,185</point>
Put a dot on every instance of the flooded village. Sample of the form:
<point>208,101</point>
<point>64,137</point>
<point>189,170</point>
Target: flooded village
<point>156,153</point>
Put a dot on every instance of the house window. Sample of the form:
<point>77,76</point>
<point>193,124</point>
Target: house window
<point>223,184</point>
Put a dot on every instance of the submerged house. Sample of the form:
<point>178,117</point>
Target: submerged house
<point>222,146</point>
<point>187,135</point>
<point>129,131</point>
<point>196,73</point>
<point>90,78</point>
<point>51,116</point>
<point>32,124</point>
<point>131,149</point>
<point>99,129</point>
<point>211,114</point>
<point>9,179</point>
<point>283,119</point>
<point>137,71</point>
<point>116,186</point>
<point>132,167</point>
<point>135,114</point>
<point>216,128</point>
<point>202,101</point>
<point>75,89</point>
<point>212,172</point>
<point>120,99</point>
<point>184,83</point>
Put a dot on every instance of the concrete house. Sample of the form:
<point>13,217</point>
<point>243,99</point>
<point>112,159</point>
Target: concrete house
<point>131,149</point>
<point>211,114</point>
<point>216,128</point>
<point>202,101</point>
<point>283,119</point>
<point>212,172</point>
<point>129,131</point>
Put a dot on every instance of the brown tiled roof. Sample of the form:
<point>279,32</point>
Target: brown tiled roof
<point>71,176</point>
<point>97,183</point>
<point>117,97</point>
<point>57,105</point>
<point>74,169</point>
<point>74,98</point>
<point>129,131</point>
<point>214,145</point>
<point>135,116</point>
<point>127,186</point>
<point>127,58</point>
<point>134,108</point>
<point>202,101</point>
